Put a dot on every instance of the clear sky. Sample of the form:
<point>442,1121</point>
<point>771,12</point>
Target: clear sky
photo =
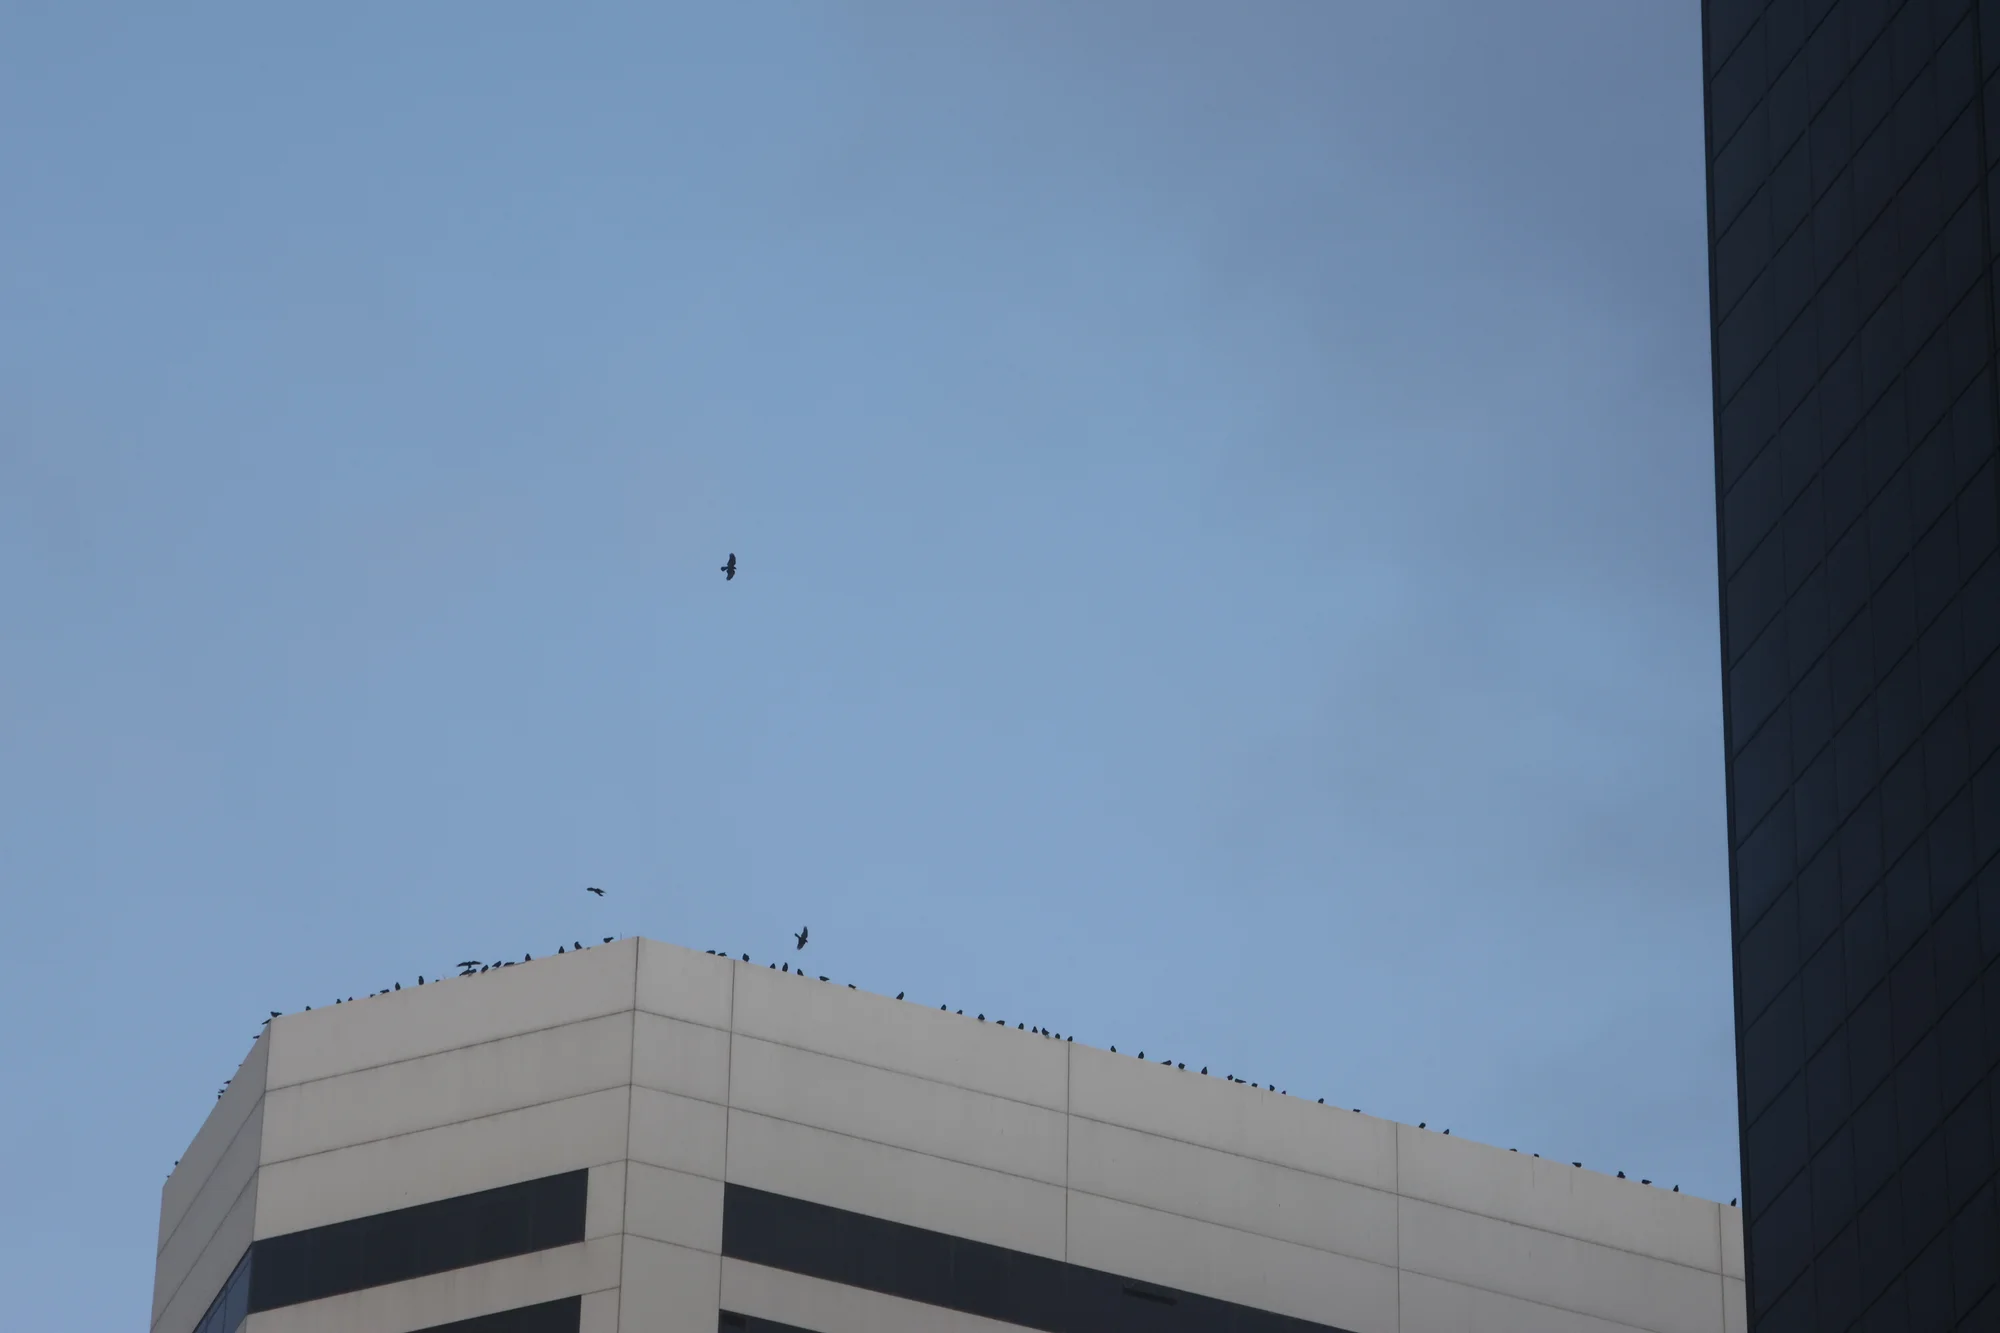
<point>1224,497</point>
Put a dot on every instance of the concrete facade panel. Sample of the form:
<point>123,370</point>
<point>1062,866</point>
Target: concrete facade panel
<point>684,984</point>
<point>458,1011</point>
<point>676,1056</point>
<point>867,1102</point>
<point>667,1289</point>
<point>604,1203</point>
<point>462,1293</point>
<point>897,1035</point>
<point>1432,1305</point>
<point>212,1140</point>
<point>678,1133</point>
<point>1250,1122</point>
<point>440,1163</point>
<point>599,1313</point>
<point>1555,1196</point>
<point>1731,1220</point>
<point>383,1101</point>
<point>1231,1265</point>
<point>1735,1311</point>
<point>1173,1176</point>
<point>190,1298</point>
<point>806,1302</point>
<point>894,1183</point>
<point>221,1192</point>
<point>673,1207</point>
<point>1559,1271</point>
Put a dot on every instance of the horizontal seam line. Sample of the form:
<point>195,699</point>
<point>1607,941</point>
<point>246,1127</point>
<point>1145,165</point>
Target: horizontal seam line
<point>900,1073</point>
<point>1595,1244</point>
<point>227,1145</point>
<point>469,1120</point>
<point>206,1180</point>
<point>270,1087</point>
<point>248,1185</point>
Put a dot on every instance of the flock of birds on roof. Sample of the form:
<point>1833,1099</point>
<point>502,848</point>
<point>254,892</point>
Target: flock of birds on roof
<point>475,967</point>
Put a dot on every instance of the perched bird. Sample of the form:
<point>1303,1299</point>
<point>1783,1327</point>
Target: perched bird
<point>420,978</point>
<point>1447,1133</point>
<point>822,978</point>
<point>1204,1069</point>
<point>729,570</point>
<point>274,1013</point>
<point>1677,1190</point>
<point>577,945</point>
<point>607,939</point>
<point>1421,1125</point>
<point>746,957</point>
<point>1621,1175</point>
<point>594,889</point>
<point>787,967</point>
<point>1645,1182</point>
<point>801,936</point>
<point>1576,1163</point>
<point>1322,1101</point>
<point>899,995</point>
<point>474,963</point>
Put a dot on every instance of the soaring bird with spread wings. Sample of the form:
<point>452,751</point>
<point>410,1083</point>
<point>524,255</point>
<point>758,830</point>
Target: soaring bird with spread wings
<point>729,570</point>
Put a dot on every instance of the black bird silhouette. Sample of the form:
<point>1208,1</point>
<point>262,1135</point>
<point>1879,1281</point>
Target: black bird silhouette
<point>473,963</point>
<point>899,995</point>
<point>607,939</point>
<point>274,1013</point>
<point>594,889</point>
<point>801,936</point>
<point>729,570</point>
<point>577,945</point>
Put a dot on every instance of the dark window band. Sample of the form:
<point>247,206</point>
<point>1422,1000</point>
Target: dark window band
<point>967,1275</point>
<point>728,1321</point>
<point>416,1242</point>
<point>563,1316</point>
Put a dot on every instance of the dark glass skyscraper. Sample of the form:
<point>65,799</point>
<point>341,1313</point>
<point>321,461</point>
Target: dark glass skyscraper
<point>1854,219</point>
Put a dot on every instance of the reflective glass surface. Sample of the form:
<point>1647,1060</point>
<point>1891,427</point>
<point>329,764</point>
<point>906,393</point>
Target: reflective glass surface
<point>1854,174</point>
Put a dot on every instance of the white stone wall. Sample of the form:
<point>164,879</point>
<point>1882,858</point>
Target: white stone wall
<point>666,1072</point>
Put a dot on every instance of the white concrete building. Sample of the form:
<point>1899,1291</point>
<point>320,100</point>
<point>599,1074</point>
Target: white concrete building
<point>637,1138</point>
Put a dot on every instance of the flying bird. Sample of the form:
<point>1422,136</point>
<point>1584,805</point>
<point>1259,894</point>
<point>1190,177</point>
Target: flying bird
<point>729,570</point>
<point>801,936</point>
<point>593,889</point>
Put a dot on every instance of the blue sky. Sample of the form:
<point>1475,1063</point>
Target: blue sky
<point>1224,496</point>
